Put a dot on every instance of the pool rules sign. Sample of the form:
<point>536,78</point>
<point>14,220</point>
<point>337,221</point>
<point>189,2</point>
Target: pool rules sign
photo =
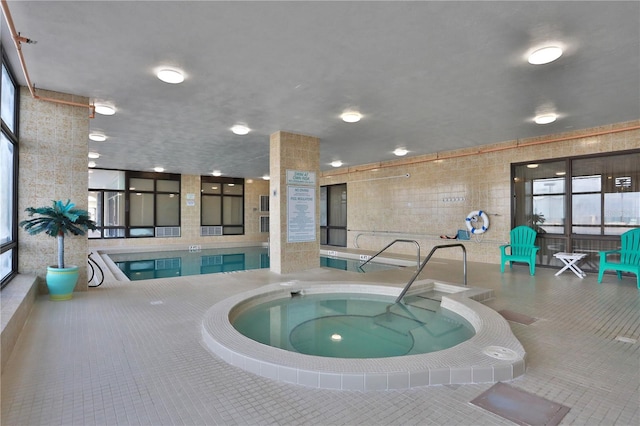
<point>301,206</point>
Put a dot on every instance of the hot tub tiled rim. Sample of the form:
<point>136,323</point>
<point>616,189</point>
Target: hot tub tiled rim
<point>464,363</point>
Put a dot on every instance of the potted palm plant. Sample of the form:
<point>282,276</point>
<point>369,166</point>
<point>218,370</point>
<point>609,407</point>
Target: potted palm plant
<point>57,221</point>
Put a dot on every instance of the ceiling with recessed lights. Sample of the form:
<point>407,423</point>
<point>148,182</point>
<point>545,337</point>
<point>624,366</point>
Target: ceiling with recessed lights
<point>425,77</point>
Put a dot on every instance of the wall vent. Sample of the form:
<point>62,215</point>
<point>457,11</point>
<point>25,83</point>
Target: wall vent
<point>167,231</point>
<point>210,231</point>
<point>264,203</point>
<point>264,223</point>
<point>167,264</point>
<point>213,260</point>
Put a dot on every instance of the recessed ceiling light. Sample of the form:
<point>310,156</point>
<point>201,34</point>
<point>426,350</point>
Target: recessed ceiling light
<point>158,169</point>
<point>98,137</point>
<point>532,166</point>
<point>266,177</point>
<point>561,173</point>
<point>92,163</point>
<point>336,163</point>
<point>170,76</point>
<point>545,118</point>
<point>351,116</point>
<point>240,129</point>
<point>400,152</point>
<point>216,173</point>
<point>545,55</point>
<point>105,109</point>
<point>94,155</point>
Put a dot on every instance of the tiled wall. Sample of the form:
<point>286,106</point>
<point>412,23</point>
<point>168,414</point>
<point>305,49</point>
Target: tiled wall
<point>53,166</point>
<point>383,204</point>
<point>190,221</point>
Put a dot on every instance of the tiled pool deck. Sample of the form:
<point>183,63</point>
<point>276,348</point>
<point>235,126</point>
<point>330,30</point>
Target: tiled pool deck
<point>132,353</point>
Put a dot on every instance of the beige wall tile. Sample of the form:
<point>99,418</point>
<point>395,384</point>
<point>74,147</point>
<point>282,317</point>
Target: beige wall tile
<point>439,194</point>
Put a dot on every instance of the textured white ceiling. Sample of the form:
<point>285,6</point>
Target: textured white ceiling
<point>428,76</point>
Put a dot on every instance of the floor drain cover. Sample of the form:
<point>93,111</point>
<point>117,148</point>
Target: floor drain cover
<point>520,407</point>
<point>500,353</point>
<point>517,317</point>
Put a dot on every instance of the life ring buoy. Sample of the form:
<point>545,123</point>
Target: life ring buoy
<point>473,217</point>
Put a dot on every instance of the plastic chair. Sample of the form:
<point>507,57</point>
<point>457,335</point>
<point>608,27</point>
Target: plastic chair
<point>629,253</point>
<point>521,249</point>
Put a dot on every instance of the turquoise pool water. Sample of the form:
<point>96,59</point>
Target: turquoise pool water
<point>166,264</point>
<point>353,325</point>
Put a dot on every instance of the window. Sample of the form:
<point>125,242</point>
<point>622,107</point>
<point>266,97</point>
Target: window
<point>333,215</point>
<point>8,174</point>
<point>606,194</point>
<point>154,204</point>
<point>107,203</point>
<point>578,204</point>
<point>153,201</point>
<point>222,201</point>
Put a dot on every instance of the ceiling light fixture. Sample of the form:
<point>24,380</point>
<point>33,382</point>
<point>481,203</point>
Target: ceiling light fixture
<point>216,173</point>
<point>545,55</point>
<point>170,76</point>
<point>545,118</point>
<point>158,169</point>
<point>336,163</point>
<point>351,116</point>
<point>98,137</point>
<point>400,152</point>
<point>92,163</point>
<point>266,177</point>
<point>532,166</point>
<point>94,155</point>
<point>105,109</point>
<point>240,129</point>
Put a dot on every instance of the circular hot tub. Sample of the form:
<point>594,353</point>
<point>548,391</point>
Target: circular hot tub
<point>463,362</point>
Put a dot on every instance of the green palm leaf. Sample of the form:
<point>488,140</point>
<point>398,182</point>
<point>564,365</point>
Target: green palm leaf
<point>57,221</point>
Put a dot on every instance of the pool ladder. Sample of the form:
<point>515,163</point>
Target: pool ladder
<point>424,263</point>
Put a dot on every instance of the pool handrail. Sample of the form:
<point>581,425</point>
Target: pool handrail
<point>433,250</point>
<point>392,243</point>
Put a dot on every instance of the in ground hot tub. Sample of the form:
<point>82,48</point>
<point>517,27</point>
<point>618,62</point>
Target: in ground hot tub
<point>492,354</point>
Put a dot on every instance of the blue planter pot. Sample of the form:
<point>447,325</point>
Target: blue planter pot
<point>62,281</point>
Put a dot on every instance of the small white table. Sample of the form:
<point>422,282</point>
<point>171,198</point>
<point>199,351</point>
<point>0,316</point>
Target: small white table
<point>570,261</point>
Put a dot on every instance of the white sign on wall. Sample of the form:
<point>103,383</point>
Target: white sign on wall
<point>301,214</point>
<point>300,177</point>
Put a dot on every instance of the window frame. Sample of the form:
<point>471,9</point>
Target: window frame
<point>226,227</point>
<point>13,137</point>
<point>155,176</point>
<point>568,240</point>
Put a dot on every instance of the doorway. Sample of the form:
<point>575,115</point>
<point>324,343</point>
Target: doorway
<point>333,215</point>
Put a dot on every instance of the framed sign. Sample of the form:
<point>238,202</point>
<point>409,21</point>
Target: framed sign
<point>301,214</point>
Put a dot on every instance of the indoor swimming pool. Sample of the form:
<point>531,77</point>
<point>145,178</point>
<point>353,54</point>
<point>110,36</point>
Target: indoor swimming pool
<point>178,263</point>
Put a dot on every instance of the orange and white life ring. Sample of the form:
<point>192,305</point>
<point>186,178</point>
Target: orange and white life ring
<point>473,217</point>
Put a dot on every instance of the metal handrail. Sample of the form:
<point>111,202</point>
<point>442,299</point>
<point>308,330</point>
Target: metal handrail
<point>392,243</point>
<point>464,263</point>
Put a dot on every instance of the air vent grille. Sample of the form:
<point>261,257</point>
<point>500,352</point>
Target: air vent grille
<point>167,231</point>
<point>264,223</point>
<point>264,203</point>
<point>209,231</point>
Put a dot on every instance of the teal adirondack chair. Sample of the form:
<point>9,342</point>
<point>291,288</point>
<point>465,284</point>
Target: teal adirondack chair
<point>521,249</point>
<point>629,256</point>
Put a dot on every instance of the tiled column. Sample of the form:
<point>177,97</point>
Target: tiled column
<point>53,166</point>
<point>292,152</point>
